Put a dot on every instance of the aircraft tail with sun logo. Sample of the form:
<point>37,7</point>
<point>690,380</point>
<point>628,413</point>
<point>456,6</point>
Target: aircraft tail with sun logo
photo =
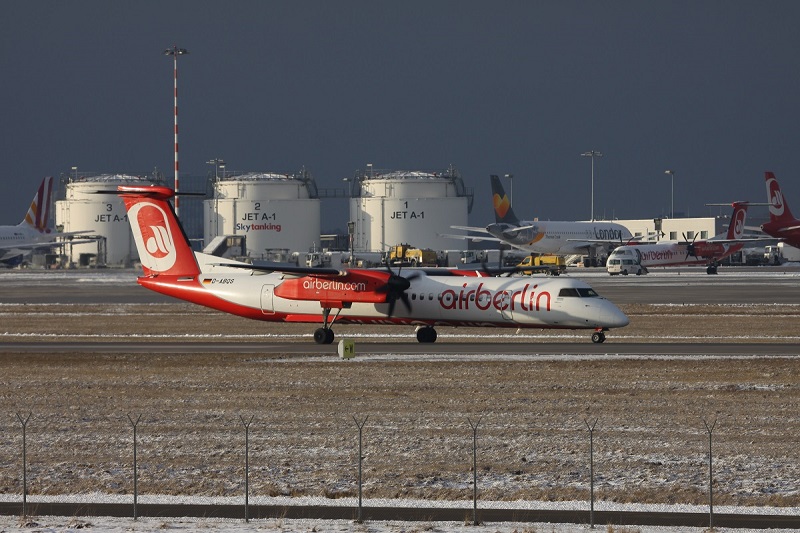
<point>503,213</point>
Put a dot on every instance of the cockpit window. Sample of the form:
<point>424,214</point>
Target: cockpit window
<point>578,293</point>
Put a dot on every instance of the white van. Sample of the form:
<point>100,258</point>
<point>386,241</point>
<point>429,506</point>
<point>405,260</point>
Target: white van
<point>624,266</point>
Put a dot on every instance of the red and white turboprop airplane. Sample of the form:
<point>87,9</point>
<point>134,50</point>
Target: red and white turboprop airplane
<point>637,258</point>
<point>354,296</point>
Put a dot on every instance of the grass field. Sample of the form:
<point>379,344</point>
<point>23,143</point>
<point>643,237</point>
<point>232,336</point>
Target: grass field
<point>650,441</point>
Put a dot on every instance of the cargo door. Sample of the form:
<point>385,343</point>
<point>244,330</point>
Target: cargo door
<point>505,305</point>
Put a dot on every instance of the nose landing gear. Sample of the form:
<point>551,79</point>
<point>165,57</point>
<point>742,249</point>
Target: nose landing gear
<point>598,337</point>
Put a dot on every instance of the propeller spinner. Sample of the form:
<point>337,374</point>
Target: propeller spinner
<point>396,287</point>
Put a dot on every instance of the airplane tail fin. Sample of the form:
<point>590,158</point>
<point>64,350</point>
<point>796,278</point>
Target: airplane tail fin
<point>162,244</point>
<point>736,227</point>
<point>778,209</point>
<point>503,213</point>
<point>38,215</point>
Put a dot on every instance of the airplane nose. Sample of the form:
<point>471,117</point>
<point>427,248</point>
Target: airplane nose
<point>615,318</point>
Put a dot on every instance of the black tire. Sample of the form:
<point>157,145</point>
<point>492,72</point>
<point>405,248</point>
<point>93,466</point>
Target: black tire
<point>426,335</point>
<point>323,336</point>
<point>598,337</point>
<point>624,272</point>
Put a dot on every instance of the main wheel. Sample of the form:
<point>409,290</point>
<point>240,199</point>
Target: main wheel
<point>598,337</point>
<point>426,334</point>
<point>624,272</point>
<point>323,336</point>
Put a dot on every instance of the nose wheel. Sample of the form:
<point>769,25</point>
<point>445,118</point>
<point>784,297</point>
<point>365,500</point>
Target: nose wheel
<point>598,337</point>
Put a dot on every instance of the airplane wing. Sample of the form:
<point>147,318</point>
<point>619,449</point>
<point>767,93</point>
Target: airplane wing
<point>289,269</point>
<point>473,238</point>
<point>471,228</point>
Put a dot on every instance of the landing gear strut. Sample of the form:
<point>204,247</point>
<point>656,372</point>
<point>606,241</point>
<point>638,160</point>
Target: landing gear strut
<point>324,335</point>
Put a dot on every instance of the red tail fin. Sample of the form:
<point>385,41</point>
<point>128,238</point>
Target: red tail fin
<point>778,209</point>
<point>736,227</point>
<point>160,239</point>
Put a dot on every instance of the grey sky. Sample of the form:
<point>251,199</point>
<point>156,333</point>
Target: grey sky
<point>709,89</point>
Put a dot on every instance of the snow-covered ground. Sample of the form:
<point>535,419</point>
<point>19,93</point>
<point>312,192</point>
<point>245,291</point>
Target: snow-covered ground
<point>147,524</point>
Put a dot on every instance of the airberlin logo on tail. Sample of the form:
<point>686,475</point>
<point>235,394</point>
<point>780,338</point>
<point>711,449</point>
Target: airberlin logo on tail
<point>153,236</point>
<point>775,197</point>
<point>738,222</point>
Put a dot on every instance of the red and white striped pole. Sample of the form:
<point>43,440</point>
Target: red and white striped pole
<point>175,52</point>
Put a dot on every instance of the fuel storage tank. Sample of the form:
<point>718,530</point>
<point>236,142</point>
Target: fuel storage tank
<point>101,215</point>
<point>391,207</point>
<point>274,211</point>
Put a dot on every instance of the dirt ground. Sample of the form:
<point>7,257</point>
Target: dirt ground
<point>650,439</point>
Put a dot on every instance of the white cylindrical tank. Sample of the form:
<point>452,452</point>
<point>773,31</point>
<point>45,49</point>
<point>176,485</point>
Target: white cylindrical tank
<point>398,207</point>
<point>274,212</point>
<point>102,215</point>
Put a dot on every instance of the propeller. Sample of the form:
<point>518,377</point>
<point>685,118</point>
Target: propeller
<point>690,246</point>
<point>396,287</point>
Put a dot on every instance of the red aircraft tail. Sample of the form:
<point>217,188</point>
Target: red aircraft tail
<point>163,246</point>
<point>736,227</point>
<point>779,213</point>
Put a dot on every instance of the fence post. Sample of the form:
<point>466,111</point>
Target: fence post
<point>474,469</point>
<point>360,460</point>
<point>135,466</point>
<point>246,424</point>
<point>710,430</point>
<point>590,427</point>
<point>24,422</point>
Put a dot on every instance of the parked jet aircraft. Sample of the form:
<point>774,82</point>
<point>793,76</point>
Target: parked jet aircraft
<point>544,237</point>
<point>782,224</point>
<point>35,230</point>
<point>637,258</point>
<point>357,295</point>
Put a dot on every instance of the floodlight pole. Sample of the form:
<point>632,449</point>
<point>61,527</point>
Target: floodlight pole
<point>672,194</point>
<point>511,184</point>
<point>592,154</point>
<point>175,52</point>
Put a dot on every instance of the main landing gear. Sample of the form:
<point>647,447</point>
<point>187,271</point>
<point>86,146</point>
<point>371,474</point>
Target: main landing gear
<point>598,337</point>
<point>712,268</point>
<point>324,335</point>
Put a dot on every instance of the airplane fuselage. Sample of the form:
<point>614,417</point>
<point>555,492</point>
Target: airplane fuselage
<point>16,240</point>
<point>559,237</point>
<point>435,300</point>
<point>675,253</point>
